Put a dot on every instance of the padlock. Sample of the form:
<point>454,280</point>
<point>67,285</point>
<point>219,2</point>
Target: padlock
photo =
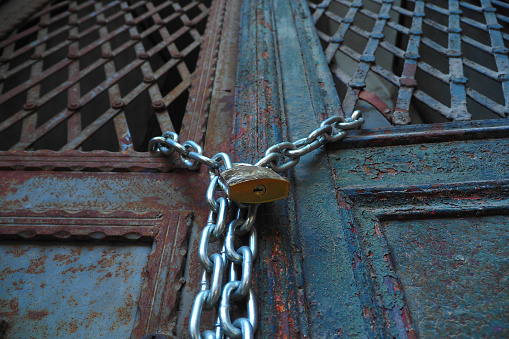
<point>250,184</point>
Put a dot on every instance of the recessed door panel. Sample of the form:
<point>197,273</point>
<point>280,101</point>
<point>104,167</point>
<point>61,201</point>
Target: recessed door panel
<point>454,273</point>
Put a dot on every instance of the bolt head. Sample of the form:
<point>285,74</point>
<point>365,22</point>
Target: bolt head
<point>148,79</point>
<point>73,55</point>
<point>176,55</point>
<point>29,106</point>
<point>158,105</point>
<point>74,106</point>
<point>118,104</point>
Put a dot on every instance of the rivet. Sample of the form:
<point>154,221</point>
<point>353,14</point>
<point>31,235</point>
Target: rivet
<point>180,10</point>
<point>73,37</point>
<point>130,22</point>
<point>159,22</point>
<point>148,79</point>
<point>143,56</point>
<point>176,54</point>
<point>189,23</point>
<point>127,9</point>
<point>29,106</point>
<point>101,21</point>
<point>73,55</point>
<point>118,104</point>
<point>135,37</point>
<point>107,55</point>
<point>74,106</point>
<point>43,24</point>
<point>36,56</point>
<point>158,105</point>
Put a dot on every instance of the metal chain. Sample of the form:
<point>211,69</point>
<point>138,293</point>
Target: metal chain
<point>215,294</point>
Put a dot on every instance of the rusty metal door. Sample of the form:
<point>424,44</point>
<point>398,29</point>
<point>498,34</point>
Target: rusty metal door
<point>398,231</point>
<point>95,233</point>
<point>401,229</point>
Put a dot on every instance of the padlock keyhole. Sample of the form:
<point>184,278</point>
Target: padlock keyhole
<point>259,190</point>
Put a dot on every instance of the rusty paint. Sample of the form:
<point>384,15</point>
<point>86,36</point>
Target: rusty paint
<point>376,102</point>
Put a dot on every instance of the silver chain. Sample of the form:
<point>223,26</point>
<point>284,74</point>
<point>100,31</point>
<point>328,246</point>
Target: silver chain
<point>239,262</point>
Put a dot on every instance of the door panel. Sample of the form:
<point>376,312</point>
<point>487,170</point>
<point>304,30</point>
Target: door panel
<point>124,268</point>
<point>454,273</point>
<point>84,86</point>
<point>337,248</point>
<point>65,288</point>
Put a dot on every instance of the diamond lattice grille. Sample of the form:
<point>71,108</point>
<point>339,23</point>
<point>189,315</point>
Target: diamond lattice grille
<point>99,75</point>
<point>418,61</point>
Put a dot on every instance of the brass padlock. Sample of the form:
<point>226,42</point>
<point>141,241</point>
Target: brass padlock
<point>250,184</point>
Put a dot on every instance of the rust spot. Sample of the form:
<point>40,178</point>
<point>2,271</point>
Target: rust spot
<point>37,315</point>
<point>265,54</point>
<point>19,252</point>
<point>73,326</point>
<point>12,305</point>
<point>8,272</point>
<point>124,313</point>
<point>68,258</point>
<point>37,265</point>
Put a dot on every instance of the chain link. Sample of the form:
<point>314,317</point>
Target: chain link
<point>333,129</point>
<point>215,294</point>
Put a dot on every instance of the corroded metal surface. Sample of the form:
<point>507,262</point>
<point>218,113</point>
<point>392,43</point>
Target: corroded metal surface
<point>127,210</point>
<point>152,289</point>
<point>453,272</point>
<point>427,57</point>
<point>64,288</point>
<point>333,255</point>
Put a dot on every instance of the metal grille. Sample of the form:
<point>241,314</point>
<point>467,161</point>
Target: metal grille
<point>417,61</point>
<point>99,75</point>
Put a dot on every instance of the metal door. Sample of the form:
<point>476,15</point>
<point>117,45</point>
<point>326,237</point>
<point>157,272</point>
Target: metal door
<point>96,232</point>
<point>400,230</point>
<point>396,231</point>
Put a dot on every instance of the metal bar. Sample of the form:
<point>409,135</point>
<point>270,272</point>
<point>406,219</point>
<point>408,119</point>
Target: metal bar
<point>457,80</point>
<point>196,114</point>
<point>498,49</point>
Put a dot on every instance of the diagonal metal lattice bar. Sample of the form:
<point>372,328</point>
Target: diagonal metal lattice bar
<point>86,75</point>
<point>409,45</point>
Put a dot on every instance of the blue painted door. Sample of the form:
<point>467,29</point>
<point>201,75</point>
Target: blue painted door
<point>398,230</point>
